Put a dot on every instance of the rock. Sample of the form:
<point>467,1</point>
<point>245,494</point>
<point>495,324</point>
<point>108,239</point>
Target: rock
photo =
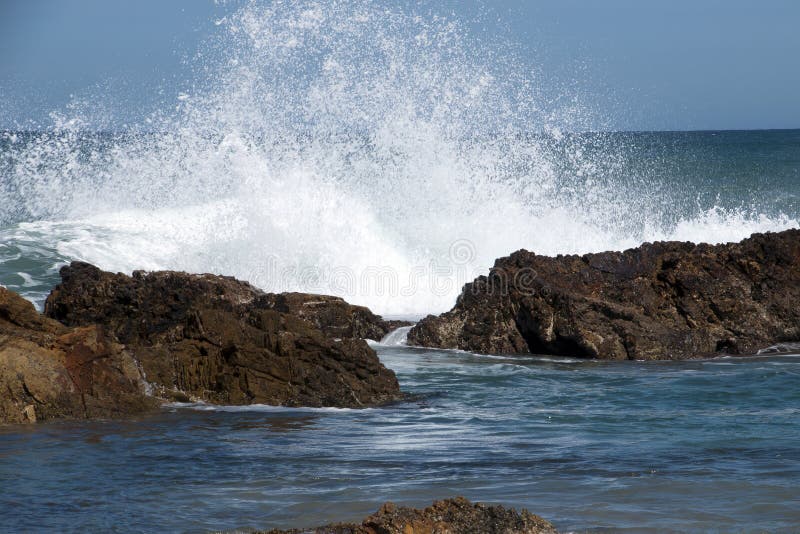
<point>665,300</point>
<point>49,371</point>
<point>334,316</point>
<point>451,516</point>
<point>88,295</point>
<point>220,340</point>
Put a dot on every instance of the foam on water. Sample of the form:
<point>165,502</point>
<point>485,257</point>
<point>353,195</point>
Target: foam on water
<point>378,154</point>
<point>264,408</point>
<point>396,337</point>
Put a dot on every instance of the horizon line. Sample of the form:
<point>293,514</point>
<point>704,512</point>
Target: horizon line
<point>566,132</point>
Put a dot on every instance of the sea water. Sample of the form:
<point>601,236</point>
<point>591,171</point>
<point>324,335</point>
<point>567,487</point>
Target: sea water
<point>592,446</point>
<point>388,157</point>
<point>381,241</point>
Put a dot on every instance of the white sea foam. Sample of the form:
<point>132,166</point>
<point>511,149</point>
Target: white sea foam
<point>396,337</point>
<point>345,148</point>
<point>202,406</point>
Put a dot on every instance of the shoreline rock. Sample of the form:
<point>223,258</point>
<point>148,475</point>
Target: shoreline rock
<point>221,340</point>
<point>110,345</point>
<point>334,316</point>
<point>450,516</point>
<point>49,371</point>
<point>87,294</point>
<point>667,300</point>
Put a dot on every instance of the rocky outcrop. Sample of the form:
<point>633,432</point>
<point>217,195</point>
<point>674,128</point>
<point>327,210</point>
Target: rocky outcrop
<point>333,315</point>
<point>451,516</point>
<point>50,371</point>
<point>221,340</point>
<point>88,295</point>
<point>659,301</point>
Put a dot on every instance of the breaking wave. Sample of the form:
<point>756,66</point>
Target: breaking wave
<point>381,154</point>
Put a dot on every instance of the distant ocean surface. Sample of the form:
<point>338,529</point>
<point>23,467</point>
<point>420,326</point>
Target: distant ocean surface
<point>389,157</point>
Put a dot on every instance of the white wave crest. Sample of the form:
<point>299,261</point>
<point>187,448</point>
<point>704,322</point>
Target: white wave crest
<point>379,154</point>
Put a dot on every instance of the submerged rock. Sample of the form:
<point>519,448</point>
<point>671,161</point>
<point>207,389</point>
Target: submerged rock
<point>451,516</point>
<point>220,340</point>
<point>665,300</point>
<point>50,371</point>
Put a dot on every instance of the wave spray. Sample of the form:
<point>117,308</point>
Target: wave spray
<point>383,155</point>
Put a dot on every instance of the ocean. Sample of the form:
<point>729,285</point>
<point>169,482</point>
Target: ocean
<point>376,156</point>
<point>700,446</point>
<point>313,215</point>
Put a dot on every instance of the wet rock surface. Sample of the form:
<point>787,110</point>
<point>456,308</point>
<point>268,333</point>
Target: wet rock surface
<point>217,339</point>
<point>667,300</point>
<point>451,516</point>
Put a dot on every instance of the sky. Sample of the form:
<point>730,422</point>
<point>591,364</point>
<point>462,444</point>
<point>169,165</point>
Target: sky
<point>643,65</point>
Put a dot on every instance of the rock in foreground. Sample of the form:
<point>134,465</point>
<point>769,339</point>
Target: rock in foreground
<point>49,371</point>
<point>451,516</point>
<point>221,340</point>
<point>659,301</point>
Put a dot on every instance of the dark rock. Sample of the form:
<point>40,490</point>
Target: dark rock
<point>659,301</point>
<point>50,371</point>
<point>88,295</point>
<point>333,315</point>
<point>451,516</point>
<point>221,340</point>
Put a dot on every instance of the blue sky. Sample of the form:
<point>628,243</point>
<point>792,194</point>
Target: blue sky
<point>678,64</point>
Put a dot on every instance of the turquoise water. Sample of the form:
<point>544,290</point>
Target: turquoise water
<point>592,446</point>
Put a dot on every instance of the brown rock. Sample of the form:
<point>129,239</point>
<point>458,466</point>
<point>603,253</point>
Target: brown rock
<point>659,301</point>
<point>88,295</point>
<point>451,516</point>
<point>49,371</point>
<point>333,315</point>
<point>221,340</point>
